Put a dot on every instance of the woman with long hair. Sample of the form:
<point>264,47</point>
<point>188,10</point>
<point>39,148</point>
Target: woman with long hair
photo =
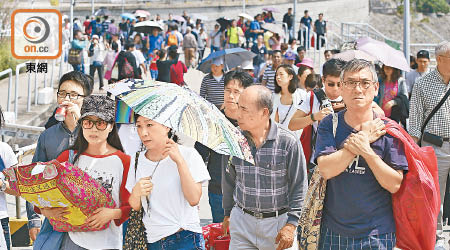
<point>393,94</point>
<point>98,151</point>
<point>169,176</point>
<point>287,96</point>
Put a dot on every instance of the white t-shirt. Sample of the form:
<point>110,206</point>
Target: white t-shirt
<point>108,170</point>
<point>139,57</point>
<point>129,137</point>
<point>169,210</point>
<point>9,159</point>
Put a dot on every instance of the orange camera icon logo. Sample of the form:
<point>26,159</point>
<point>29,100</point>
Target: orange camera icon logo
<point>36,34</point>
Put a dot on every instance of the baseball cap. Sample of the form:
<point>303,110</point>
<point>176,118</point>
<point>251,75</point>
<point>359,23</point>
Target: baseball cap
<point>100,106</point>
<point>423,54</point>
<point>95,37</point>
<point>289,55</point>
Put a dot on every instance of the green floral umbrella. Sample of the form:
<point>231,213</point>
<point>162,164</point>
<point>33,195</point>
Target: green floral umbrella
<point>184,111</point>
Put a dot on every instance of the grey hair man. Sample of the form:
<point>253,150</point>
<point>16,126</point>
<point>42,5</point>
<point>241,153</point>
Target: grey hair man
<point>426,94</point>
<point>362,166</point>
<point>267,197</point>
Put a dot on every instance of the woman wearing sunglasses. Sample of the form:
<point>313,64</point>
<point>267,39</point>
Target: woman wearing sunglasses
<point>171,177</point>
<point>99,153</point>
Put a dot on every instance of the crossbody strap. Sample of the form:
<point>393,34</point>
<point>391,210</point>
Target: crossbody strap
<point>422,130</point>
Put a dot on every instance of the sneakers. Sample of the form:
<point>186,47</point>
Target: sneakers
<point>440,245</point>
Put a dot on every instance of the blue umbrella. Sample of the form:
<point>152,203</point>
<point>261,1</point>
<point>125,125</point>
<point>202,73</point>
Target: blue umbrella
<point>231,58</point>
<point>128,16</point>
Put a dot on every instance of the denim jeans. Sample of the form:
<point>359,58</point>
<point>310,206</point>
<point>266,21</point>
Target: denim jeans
<point>184,240</point>
<point>154,74</point>
<point>215,201</point>
<point>78,67</point>
<point>5,226</point>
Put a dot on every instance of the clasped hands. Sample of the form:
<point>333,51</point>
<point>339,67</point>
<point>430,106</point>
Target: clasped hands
<point>359,143</point>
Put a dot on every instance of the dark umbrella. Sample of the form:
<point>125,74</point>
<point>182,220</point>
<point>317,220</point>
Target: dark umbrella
<point>147,27</point>
<point>102,12</point>
<point>231,57</point>
<point>223,22</point>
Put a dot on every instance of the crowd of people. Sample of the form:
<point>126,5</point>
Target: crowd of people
<point>296,118</point>
<point>98,40</point>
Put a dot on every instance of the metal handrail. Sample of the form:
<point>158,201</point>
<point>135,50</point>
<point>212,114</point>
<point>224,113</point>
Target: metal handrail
<point>9,72</point>
<point>16,90</point>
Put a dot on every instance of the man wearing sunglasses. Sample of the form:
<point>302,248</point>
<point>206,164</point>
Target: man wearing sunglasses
<point>330,79</point>
<point>59,135</point>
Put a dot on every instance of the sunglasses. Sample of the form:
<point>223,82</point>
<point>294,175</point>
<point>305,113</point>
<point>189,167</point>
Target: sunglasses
<point>332,84</point>
<point>99,124</point>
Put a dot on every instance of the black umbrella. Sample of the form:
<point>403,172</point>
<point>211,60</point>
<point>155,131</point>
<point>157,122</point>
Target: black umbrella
<point>224,23</point>
<point>102,12</point>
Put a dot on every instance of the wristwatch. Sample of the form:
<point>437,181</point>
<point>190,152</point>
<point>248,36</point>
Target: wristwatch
<point>3,186</point>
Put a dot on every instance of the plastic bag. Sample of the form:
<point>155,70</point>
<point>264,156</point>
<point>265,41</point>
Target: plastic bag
<point>416,204</point>
<point>214,239</point>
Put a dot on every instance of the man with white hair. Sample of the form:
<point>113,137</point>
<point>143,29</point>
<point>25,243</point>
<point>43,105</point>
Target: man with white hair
<point>262,201</point>
<point>189,46</point>
<point>426,94</point>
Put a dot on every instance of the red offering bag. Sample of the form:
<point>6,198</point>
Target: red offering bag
<point>214,239</point>
<point>416,204</point>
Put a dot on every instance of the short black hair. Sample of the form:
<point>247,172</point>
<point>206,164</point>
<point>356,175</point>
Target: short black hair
<point>173,53</point>
<point>333,67</point>
<point>162,53</point>
<point>300,48</point>
<point>306,11</point>
<point>292,84</point>
<point>243,77</point>
<point>129,45</point>
<point>85,81</point>
<point>313,80</point>
<point>289,8</point>
<point>98,19</point>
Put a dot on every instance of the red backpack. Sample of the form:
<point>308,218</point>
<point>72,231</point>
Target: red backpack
<point>416,204</point>
<point>306,138</point>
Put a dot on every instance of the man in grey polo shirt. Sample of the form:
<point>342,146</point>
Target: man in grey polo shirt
<point>262,202</point>
<point>423,60</point>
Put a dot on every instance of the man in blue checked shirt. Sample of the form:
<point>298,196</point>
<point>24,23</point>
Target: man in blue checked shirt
<point>262,202</point>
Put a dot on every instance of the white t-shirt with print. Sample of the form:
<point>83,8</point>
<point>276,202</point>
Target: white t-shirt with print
<point>108,170</point>
<point>169,210</point>
<point>9,159</point>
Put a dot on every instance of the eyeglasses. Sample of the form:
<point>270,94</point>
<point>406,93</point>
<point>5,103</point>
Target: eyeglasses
<point>99,124</point>
<point>353,84</point>
<point>72,95</point>
<point>332,84</point>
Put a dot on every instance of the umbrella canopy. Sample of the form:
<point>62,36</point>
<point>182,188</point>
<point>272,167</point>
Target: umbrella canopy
<point>102,12</point>
<point>179,19</point>
<point>224,22</point>
<point>246,16</point>
<point>271,9</point>
<point>147,27</point>
<point>128,16</point>
<point>231,57</point>
<point>383,52</point>
<point>199,16</point>
<point>274,28</point>
<point>352,54</point>
<point>184,111</point>
<point>142,13</point>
